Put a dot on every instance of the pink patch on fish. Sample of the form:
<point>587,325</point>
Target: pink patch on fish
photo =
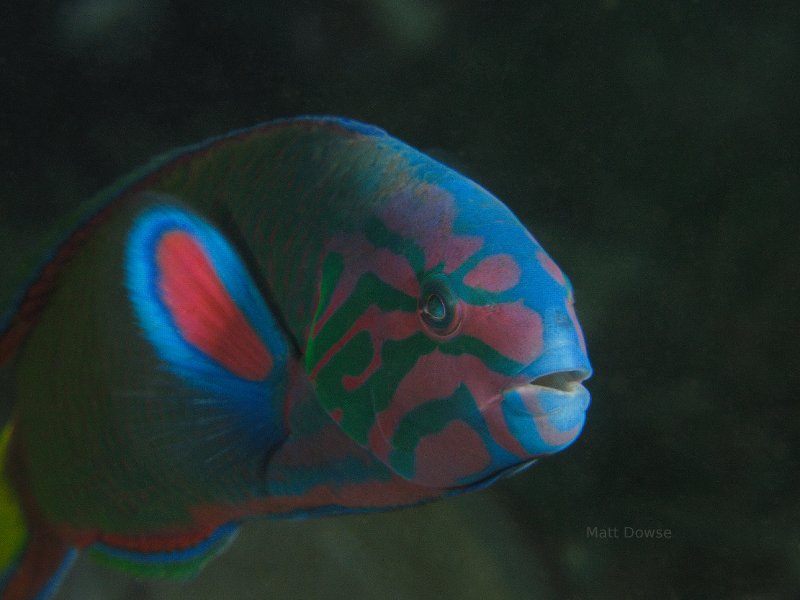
<point>204,311</point>
<point>496,273</point>
<point>426,216</point>
<point>554,436</point>
<point>491,325</point>
<point>457,249</point>
<point>436,463</point>
<point>551,267</point>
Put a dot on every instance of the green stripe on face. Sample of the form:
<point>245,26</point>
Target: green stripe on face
<point>369,291</point>
<point>379,235</point>
<point>356,405</point>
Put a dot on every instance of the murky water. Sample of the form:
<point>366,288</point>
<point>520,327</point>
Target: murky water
<point>650,146</point>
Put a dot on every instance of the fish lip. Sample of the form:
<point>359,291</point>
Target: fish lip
<point>563,389</point>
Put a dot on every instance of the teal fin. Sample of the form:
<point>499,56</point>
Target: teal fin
<point>181,562</point>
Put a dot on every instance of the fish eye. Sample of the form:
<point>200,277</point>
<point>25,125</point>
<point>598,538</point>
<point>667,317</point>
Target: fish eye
<point>438,307</point>
<point>434,308</point>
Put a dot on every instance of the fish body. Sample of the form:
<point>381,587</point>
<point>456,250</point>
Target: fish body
<point>303,318</point>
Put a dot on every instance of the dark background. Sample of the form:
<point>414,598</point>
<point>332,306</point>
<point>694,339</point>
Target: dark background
<point>651,147</point>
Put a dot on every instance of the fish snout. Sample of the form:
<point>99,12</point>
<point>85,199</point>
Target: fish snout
<point>546,414</point>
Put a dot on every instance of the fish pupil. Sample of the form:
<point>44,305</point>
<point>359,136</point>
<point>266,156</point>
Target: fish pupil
<point>435,307</point>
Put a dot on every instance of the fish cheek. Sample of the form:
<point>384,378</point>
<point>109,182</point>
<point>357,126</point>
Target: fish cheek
<point>431,430</point>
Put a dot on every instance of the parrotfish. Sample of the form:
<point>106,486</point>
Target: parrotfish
<point>303,318</point>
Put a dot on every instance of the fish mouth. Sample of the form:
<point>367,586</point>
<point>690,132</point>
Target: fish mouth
<point>554,391</point>
<point>563,381</point>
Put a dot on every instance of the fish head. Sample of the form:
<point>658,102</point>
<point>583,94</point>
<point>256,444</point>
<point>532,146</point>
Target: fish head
<point>446,340</point>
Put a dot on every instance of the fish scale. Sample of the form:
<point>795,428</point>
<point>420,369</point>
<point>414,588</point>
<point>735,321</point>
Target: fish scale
<point>303,318</point>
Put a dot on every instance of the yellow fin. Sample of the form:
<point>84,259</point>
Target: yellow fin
<point>13,531</point>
